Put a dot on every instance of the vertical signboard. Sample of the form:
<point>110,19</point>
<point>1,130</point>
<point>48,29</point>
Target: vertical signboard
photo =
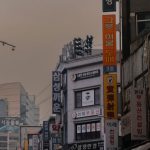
<point>45,135</point>
<point>138,114</point>
<point>109,40</point>
<point>56,92</point>
<point>110,96</point>
<point>109,5</point>
<point>111,128</point>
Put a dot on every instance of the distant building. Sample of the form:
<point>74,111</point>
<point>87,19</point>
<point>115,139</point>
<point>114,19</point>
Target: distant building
<point>3,108</point>
<point>18,103</point>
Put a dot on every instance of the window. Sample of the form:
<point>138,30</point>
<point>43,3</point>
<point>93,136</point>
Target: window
<point>143,22</point>
<point>87,97</point>
<point>86,131</point>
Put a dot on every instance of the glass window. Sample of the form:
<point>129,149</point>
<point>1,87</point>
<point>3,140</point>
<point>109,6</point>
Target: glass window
<point>89,130</point>
<point>97,96</point>
<point>143,22</point>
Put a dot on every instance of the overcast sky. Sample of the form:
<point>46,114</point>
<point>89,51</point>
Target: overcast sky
<point>39,29</point>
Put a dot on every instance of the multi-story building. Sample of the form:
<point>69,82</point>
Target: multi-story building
<point>17,107</point>
<point>82,101</point>
<point>135,73</point>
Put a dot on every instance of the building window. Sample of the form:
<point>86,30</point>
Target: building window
<point>87,97</point>
<point>87,131</point>
<point>143,22</point>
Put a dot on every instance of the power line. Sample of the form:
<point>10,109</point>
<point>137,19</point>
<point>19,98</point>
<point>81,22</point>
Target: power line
<point>43,90</point>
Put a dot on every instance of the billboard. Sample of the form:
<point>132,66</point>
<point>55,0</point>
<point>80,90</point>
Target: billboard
<point>110,96</point>
<point>109,40</point>
<point>138,114</point>
<point>56,92</point>
<point>88,98</point>
<point>111,128</point>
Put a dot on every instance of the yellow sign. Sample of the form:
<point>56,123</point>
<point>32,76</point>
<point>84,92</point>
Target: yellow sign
<point>110,96</point>
<point>26,145</point>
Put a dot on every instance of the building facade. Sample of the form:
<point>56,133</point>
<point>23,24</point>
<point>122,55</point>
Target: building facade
<point>135,73</point>
<point>82,115</point>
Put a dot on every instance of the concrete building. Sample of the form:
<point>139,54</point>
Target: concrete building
<point>19,103</point>
<point>82,101</point>
<point>17,108</point>
<point>135,73</point>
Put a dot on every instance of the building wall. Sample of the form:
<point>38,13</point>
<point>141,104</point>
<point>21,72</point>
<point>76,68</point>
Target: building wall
<point>82,84</point>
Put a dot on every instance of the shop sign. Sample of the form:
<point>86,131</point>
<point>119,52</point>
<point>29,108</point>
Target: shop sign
<point>109,40</point>
<point>56,92</point>
<point>111,128</point>
<point>109,5</point>
<point>88,113</point>
<point>126,124</point>
<point>110,96</point>
<point>86,146</point>
<point>45,135</point>
<point>138,111</point>
<point>86,75</point>
<point>9,121</point>
<point>54,128</point>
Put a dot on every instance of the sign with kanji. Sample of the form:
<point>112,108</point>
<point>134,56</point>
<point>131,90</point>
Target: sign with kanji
<point>110,96</point>
<point>56,92</point>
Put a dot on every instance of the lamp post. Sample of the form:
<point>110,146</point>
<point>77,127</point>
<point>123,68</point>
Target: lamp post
<point>5,43</point>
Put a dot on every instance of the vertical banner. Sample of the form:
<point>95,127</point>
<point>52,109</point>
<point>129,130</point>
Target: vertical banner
<point>45,135</point>
<point>138,114</point>
<point>56,92</point>
<point>109,40</point>
<point>111,128</point>
<point>110,96</point>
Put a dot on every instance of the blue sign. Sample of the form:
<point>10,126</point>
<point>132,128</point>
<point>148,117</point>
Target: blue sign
<point>109,5</point>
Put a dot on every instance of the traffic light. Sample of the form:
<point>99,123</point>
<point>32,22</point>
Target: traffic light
<point>78,46</point>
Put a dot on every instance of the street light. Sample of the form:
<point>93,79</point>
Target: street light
<point>5,43</point>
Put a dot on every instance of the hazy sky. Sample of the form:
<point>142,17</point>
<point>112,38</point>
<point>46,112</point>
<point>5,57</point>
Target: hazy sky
<point>39,29</point>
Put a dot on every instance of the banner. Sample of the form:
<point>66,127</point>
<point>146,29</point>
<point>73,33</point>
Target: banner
<point>111,128</point>
<point>110,96</point>
<point>109,40</point>
<point>138,114</point>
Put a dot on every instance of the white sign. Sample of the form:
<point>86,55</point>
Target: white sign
<point>88,113</point>
<point>138,113</point>
<point>111,127</point>
<point>93,127</point>
<point>83,128</point>
<point>88,98</point>
<point>78,128</point>
<point>88,127</point>
<point>98,126</point>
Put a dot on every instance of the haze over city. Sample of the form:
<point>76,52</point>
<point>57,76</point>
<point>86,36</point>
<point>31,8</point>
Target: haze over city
<point>39,30</point>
